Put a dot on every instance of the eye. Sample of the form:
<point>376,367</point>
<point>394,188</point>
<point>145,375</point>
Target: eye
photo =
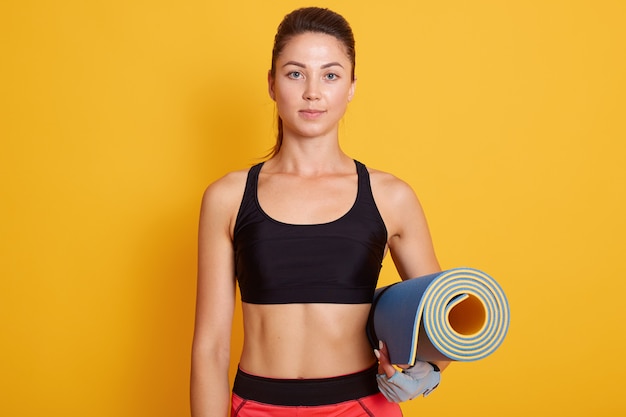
<point>331,76</point>
<point>295,75</point>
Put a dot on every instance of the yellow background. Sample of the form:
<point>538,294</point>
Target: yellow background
<point>507,118</point>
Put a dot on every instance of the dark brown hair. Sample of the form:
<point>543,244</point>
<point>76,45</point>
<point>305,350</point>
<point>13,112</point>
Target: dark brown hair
<point>315,20</point>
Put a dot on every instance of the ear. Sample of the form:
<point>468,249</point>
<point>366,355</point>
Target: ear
<point>270,85</point>
<point>351,91</point>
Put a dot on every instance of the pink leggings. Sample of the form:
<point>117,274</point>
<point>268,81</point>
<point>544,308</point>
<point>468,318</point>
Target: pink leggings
<point>354,395</point>
<point>373,406</point>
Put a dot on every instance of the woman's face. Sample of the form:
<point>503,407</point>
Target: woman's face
<point>312,85</point>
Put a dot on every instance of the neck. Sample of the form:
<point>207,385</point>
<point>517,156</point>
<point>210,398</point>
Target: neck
<point>310,157</point>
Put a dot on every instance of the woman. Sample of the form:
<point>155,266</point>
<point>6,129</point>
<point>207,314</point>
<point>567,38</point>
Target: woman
<point>304,233</point>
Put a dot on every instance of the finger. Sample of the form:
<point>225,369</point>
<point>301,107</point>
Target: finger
<point>387,389</point>
<point>383,358</point>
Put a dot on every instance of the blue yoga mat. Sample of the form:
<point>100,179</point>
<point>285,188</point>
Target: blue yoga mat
<point>460,314</point>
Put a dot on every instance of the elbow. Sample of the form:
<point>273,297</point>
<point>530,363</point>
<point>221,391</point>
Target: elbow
<point>210,356</point>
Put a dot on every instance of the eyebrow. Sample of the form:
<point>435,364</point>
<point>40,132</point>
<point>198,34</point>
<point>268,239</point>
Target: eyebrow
<point>301,65</point>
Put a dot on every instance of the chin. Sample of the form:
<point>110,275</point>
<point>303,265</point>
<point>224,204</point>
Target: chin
<point>314,131</point>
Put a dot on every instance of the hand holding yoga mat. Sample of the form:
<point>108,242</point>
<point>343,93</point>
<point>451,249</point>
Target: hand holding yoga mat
<point>460,314</point>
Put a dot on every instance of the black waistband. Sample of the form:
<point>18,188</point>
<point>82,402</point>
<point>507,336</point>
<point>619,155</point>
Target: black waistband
<point>307,392</point>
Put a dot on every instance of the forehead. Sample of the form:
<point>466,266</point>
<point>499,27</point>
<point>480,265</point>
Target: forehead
<point>314,47</point>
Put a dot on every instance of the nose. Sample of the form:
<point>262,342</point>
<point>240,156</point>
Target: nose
<point>311,92</point>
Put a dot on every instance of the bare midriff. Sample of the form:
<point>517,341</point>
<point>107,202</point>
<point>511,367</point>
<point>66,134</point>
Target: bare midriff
<point>305,340</point>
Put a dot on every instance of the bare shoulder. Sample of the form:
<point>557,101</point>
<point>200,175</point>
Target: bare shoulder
<point>222,197</point>
<point>397,203</point>
<point>228,186</point>
<point>389,189</point>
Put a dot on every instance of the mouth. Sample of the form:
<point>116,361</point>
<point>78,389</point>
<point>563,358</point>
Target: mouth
<point>311,114</point>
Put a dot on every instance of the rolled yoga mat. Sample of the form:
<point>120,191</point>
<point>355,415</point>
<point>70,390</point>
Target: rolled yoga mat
<point>460,314</point>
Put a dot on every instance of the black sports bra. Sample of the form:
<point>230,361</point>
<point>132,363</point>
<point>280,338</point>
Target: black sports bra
<point>337,262</point>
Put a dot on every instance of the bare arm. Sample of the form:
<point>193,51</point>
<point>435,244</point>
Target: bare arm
<point>409,239</point>
<point>210,388</point>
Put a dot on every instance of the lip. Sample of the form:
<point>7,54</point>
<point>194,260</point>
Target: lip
<point>311,113</point>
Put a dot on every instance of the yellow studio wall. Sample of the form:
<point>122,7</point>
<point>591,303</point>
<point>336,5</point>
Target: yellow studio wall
<point>507,118</point>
